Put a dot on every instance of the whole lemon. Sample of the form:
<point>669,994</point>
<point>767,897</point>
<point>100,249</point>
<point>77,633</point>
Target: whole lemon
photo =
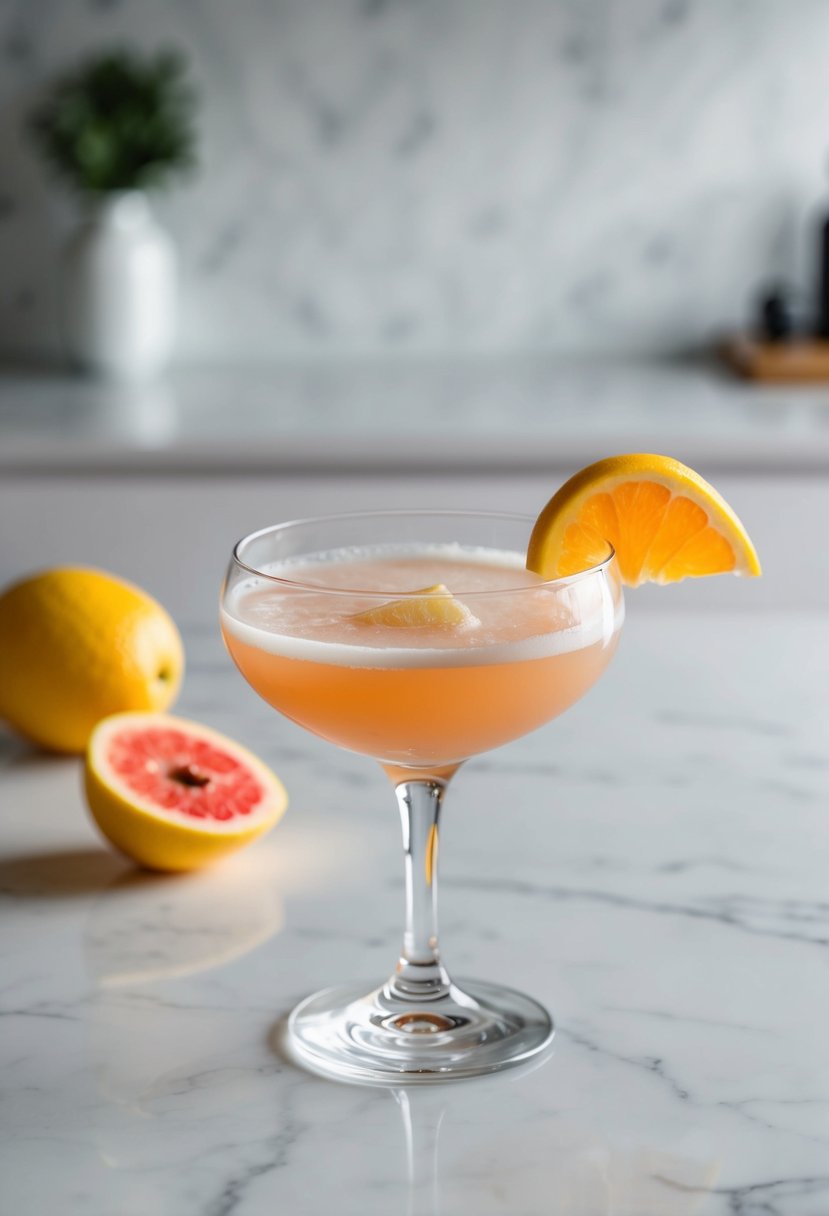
<point>78,644</point>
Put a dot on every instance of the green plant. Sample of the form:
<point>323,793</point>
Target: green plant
<point>119,121</point>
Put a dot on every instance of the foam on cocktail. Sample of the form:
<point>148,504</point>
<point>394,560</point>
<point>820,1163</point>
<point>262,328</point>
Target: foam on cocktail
<point>517,617</point>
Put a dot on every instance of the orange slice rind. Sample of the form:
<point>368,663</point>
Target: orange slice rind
<point>434,607</point>
<point>665,522</point>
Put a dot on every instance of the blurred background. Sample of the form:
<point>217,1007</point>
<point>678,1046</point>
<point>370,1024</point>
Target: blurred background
<point>386,177</point>
<point>269,259</point>
<point>354,253</point>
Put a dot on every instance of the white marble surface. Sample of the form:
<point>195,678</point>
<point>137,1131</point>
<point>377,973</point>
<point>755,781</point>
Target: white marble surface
<point>653,866</point>
<point>380,175</point>
<point>422,415</point>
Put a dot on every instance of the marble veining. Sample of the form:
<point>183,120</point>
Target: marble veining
<point>679,934</point>
<point>433,175</point>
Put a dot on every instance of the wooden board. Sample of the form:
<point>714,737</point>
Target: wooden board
<point>800,361</point>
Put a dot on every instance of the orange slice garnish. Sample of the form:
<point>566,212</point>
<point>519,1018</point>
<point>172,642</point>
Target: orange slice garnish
<point>665,522</point>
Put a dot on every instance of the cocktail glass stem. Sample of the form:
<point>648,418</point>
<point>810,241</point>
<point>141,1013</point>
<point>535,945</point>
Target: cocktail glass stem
<point>420,975</point>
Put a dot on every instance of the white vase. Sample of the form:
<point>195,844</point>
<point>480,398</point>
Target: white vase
<point>119,290</point>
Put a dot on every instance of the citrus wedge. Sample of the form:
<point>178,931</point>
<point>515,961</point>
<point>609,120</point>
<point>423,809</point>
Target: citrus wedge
<point>665,522</point>
<point>428,606</point>
<point>175,795</point>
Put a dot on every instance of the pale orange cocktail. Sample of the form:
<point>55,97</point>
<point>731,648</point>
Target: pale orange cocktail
<point>418,638</point>
<point>425,696</point>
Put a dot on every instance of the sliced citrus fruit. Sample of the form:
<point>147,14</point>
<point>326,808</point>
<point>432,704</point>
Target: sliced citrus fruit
<point>435,606</point>
<point>665,522</point>
<point>175,795</point>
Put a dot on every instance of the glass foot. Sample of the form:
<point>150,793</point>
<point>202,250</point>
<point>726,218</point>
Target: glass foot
<point>469,1029</point>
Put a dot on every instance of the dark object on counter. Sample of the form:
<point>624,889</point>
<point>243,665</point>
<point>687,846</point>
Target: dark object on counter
<point>784,314</point>
<point>823,282</point>
<point>777,315</point>
<point>782,348</point>
<point>789,342</point>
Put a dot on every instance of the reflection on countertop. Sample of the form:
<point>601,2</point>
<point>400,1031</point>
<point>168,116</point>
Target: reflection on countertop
<point>515,414</point>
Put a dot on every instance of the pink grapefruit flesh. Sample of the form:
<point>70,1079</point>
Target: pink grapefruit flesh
<point>175,795</point>
<point>183,773</point>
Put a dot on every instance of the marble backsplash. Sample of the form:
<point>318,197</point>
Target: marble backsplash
<point>421,176</point>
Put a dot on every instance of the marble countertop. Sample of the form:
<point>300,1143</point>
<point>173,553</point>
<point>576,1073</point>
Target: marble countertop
<point>506,414</point>
<point>652,867</point>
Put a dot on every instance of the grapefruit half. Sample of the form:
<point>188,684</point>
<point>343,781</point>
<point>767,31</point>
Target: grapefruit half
<point>174,795</point>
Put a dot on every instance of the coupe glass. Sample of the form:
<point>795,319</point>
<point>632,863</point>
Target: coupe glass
<point>420,708</point>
